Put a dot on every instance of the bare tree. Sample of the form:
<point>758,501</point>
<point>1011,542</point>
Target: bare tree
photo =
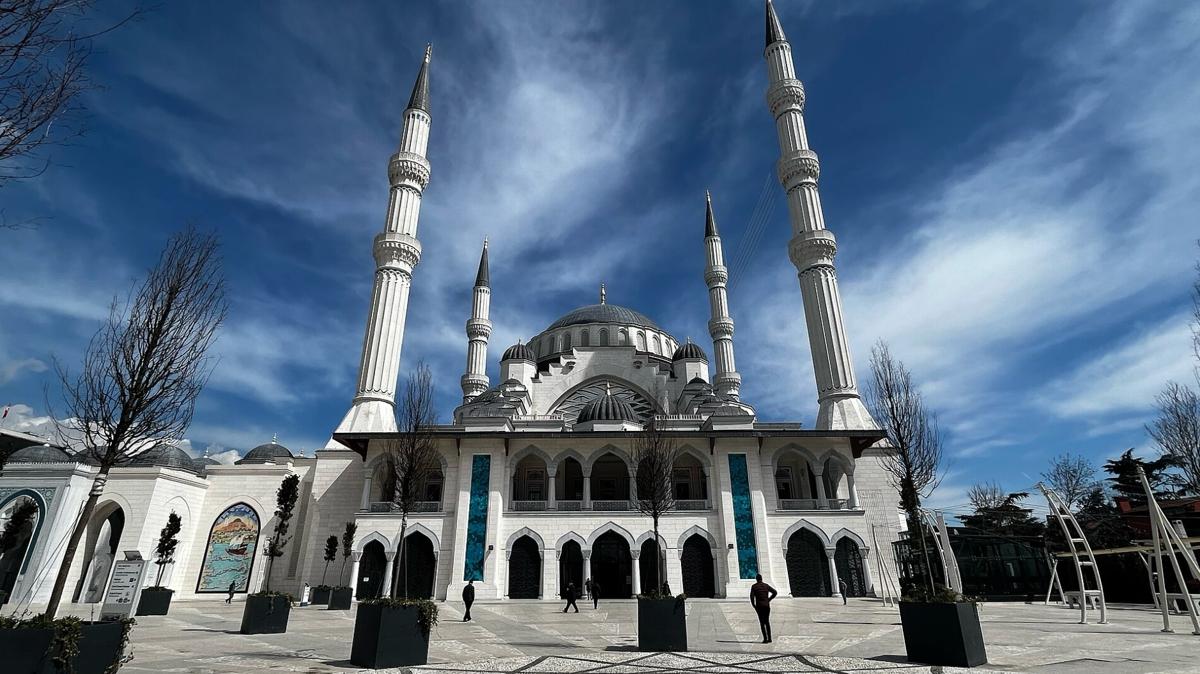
<point>413,455</point>
<point>43,56</point>
<point>1072,477</point>
<point>143,370</point>
<point>985,495</point>
<point>654,454</point>
<point>1177,432</point>
<point>914,464</point>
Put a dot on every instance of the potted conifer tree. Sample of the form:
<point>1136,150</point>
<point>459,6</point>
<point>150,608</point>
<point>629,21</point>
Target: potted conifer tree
<point>342,596</point>
<point>321,592</point>
<point>156,600</point>
<point>662,618</point>
<point>267,611</point>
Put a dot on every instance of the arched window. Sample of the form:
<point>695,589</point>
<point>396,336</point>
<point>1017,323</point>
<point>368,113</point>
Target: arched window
<point>566,341</point>
<point>623,338</point>
<point>603,337</point>
<point>657,345</point>
<point>641,341</point>
<point>583,339</point>
<point>232,545</point>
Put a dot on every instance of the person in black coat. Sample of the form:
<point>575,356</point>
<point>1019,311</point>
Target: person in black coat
<point>761,595</point>
<point>595,594</point>
<point>571,595</point>
<point>468,598</point>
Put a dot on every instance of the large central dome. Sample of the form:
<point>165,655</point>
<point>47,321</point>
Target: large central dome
<point>604,313</point>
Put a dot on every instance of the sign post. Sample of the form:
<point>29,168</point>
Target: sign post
<point>125,587</point>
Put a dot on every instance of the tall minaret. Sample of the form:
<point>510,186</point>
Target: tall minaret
<point>727,381</point>
<point>397,252</point>
<point>812,247</point>
<point>479,328</point>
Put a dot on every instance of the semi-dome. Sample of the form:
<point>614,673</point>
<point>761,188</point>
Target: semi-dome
<point>604,313</point>
<point>518,351</point>
<point>689,350</point>
<point>271,452</point>
<point>607,407</point>
<point>165,456</point>
<point>40,454</point>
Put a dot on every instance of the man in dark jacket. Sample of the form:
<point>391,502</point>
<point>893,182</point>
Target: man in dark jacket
<point>468,598</point>
<point>595,594</point>
<point>761,595</point>
<point>571,595</point>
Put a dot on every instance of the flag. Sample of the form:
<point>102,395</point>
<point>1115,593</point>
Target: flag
<point>5,415</point>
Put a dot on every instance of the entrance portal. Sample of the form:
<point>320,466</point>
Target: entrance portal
<point>570,567</point>
<point>697,563</point>
<point>525,569</point>
<point>808,569</point>
<point>371,567</point>
<point>612,566</point>
<point>849,562</point>
<point>419,565</point>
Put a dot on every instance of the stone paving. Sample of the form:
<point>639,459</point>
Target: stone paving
<point>810,635</point>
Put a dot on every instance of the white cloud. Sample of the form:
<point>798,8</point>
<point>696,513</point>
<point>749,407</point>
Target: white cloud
<point>10,370</point>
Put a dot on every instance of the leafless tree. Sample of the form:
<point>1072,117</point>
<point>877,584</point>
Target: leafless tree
<point>1196,318</point>
<point>1177,432</point>
<point>985,495</point>
<point>1072,477</point>
<point>412,456</point>
<point>44,50</point>
<point>143,369</point>
<point>915,462</point>
<point>654,454</point>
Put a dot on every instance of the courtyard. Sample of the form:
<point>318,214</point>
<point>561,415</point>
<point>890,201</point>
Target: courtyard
<point>810,635</point>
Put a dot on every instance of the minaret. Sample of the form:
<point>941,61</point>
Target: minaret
<point>397,252</point>
<point>720,327</point>
<point>812,247</point>
<point>479,328</point>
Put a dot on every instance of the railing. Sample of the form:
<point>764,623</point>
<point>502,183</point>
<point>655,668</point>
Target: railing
<point>839,503</point>
<point>612,505</point>
<point>678,417</point>
<point>569,505</point>
<point>692,504</point>
<point>539,417</point>
<point>527,505</point>
<point>418,507</point>
<point>798,504</point>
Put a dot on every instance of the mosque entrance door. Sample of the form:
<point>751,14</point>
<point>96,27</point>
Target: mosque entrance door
<point>570,567</point>
<point>808,569</point>
<point>697,563</point>
<point>612,566</point>
<point>419,566</point>
<point>849,562</point>
<point>371,567</point>
<point>525,570</point>
<point>650,563</point>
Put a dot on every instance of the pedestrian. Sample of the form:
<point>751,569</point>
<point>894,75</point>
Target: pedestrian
<point>232,588</point>
<point>761,595</point>
<point>571,595</point>
<point>595,595</point>
<point>842,587</point>
<point>588,588</point>
<point>468,599</point>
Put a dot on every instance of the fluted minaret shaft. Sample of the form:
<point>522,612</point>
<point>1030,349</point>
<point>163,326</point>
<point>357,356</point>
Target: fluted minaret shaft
<point>479,329</point>
<point>397,252</point>
<point>720,326</point>
<point>812,248</point>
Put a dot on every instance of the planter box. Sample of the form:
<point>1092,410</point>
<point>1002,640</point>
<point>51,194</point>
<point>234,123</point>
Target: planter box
<point>320,595</point>
<point>662,625</point>
<point>341,599</point>
<point>388,636</point>
<point>26,651</point>
<point>943,634</point>
<point>265,615</point>
<point>154,602</point>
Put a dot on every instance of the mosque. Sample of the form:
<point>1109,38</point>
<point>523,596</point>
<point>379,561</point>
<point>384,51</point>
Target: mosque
<point>532,488</point>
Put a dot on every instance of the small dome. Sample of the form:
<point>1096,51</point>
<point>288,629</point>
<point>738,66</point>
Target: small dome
<point>271,452</point>
<point>607,407</point>
<point>689,350</point>
<point>518,352</point>
<point>204,462</point>
<point>165,456</point>
<point>40,454</point>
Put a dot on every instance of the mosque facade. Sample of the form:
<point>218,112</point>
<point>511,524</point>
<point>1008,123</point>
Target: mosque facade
<point>532,487</point>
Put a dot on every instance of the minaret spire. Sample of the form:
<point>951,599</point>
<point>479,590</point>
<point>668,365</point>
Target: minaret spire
<point>479,329</point>
<point>720,326</point>
<point>603,294</point>
<point>397,252</point>
<point>812,247</point>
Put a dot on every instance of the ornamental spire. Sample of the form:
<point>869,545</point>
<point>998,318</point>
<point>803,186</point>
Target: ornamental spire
<point>710,222</point>
<point>420,92</point>
<point>603,294</point>
<point>774,28</point>
<point>481,278</point>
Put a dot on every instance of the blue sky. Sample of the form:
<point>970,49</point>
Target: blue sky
<point>1012,185</point>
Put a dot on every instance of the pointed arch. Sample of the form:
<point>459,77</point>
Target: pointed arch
<point>697,530</point>
<point>649,535</point>
<point>574,398</point>
<point>525,531</point>
<point>804,452</point>
<point>43,511</point>
<point>374,536</point>
<point>846,464</point>
<point>527,451</point>
<point>613,527</point>
<point>805,524</point>
<point>702,457</point>
<point>609,449</point>
<point>565,454</point>
<point>572,536</point>
<point>369,467</point>
<point>418,528</point>
<point>846,533</point>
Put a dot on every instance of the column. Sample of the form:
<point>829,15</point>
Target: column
<point>822,498</point>
<point>851,492</point>
<point>835,589</point>
<point>354,574</point>
<point>551,488</point>
<point>637,572</point>
<point>587,564</point>
<point>387,574</point>
<point>632,490</point>
<point>366,493</point>
<point>867,580</point>
<point>587,491</point>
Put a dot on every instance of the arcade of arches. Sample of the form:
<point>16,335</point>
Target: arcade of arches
<point>568,485</point>
<point>815,568</point>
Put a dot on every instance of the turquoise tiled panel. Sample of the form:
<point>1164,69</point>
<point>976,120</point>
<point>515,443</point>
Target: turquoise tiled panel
<point>743,517</point>
<point>481,468</point>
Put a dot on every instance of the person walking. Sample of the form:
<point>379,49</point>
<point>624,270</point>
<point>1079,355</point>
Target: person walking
<point>595,595</point>
<point>588,589</point>
<point>842,587</point>
<point>468,599</point>
<point>761,595</point>
<point>232,588</point>
<point>571,595</point>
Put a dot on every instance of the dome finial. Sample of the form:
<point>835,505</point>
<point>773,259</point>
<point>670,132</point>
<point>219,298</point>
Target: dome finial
<point>607,388</point>
<point>274,438</point>
<point>603,294</point>
<point>428,52</point>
